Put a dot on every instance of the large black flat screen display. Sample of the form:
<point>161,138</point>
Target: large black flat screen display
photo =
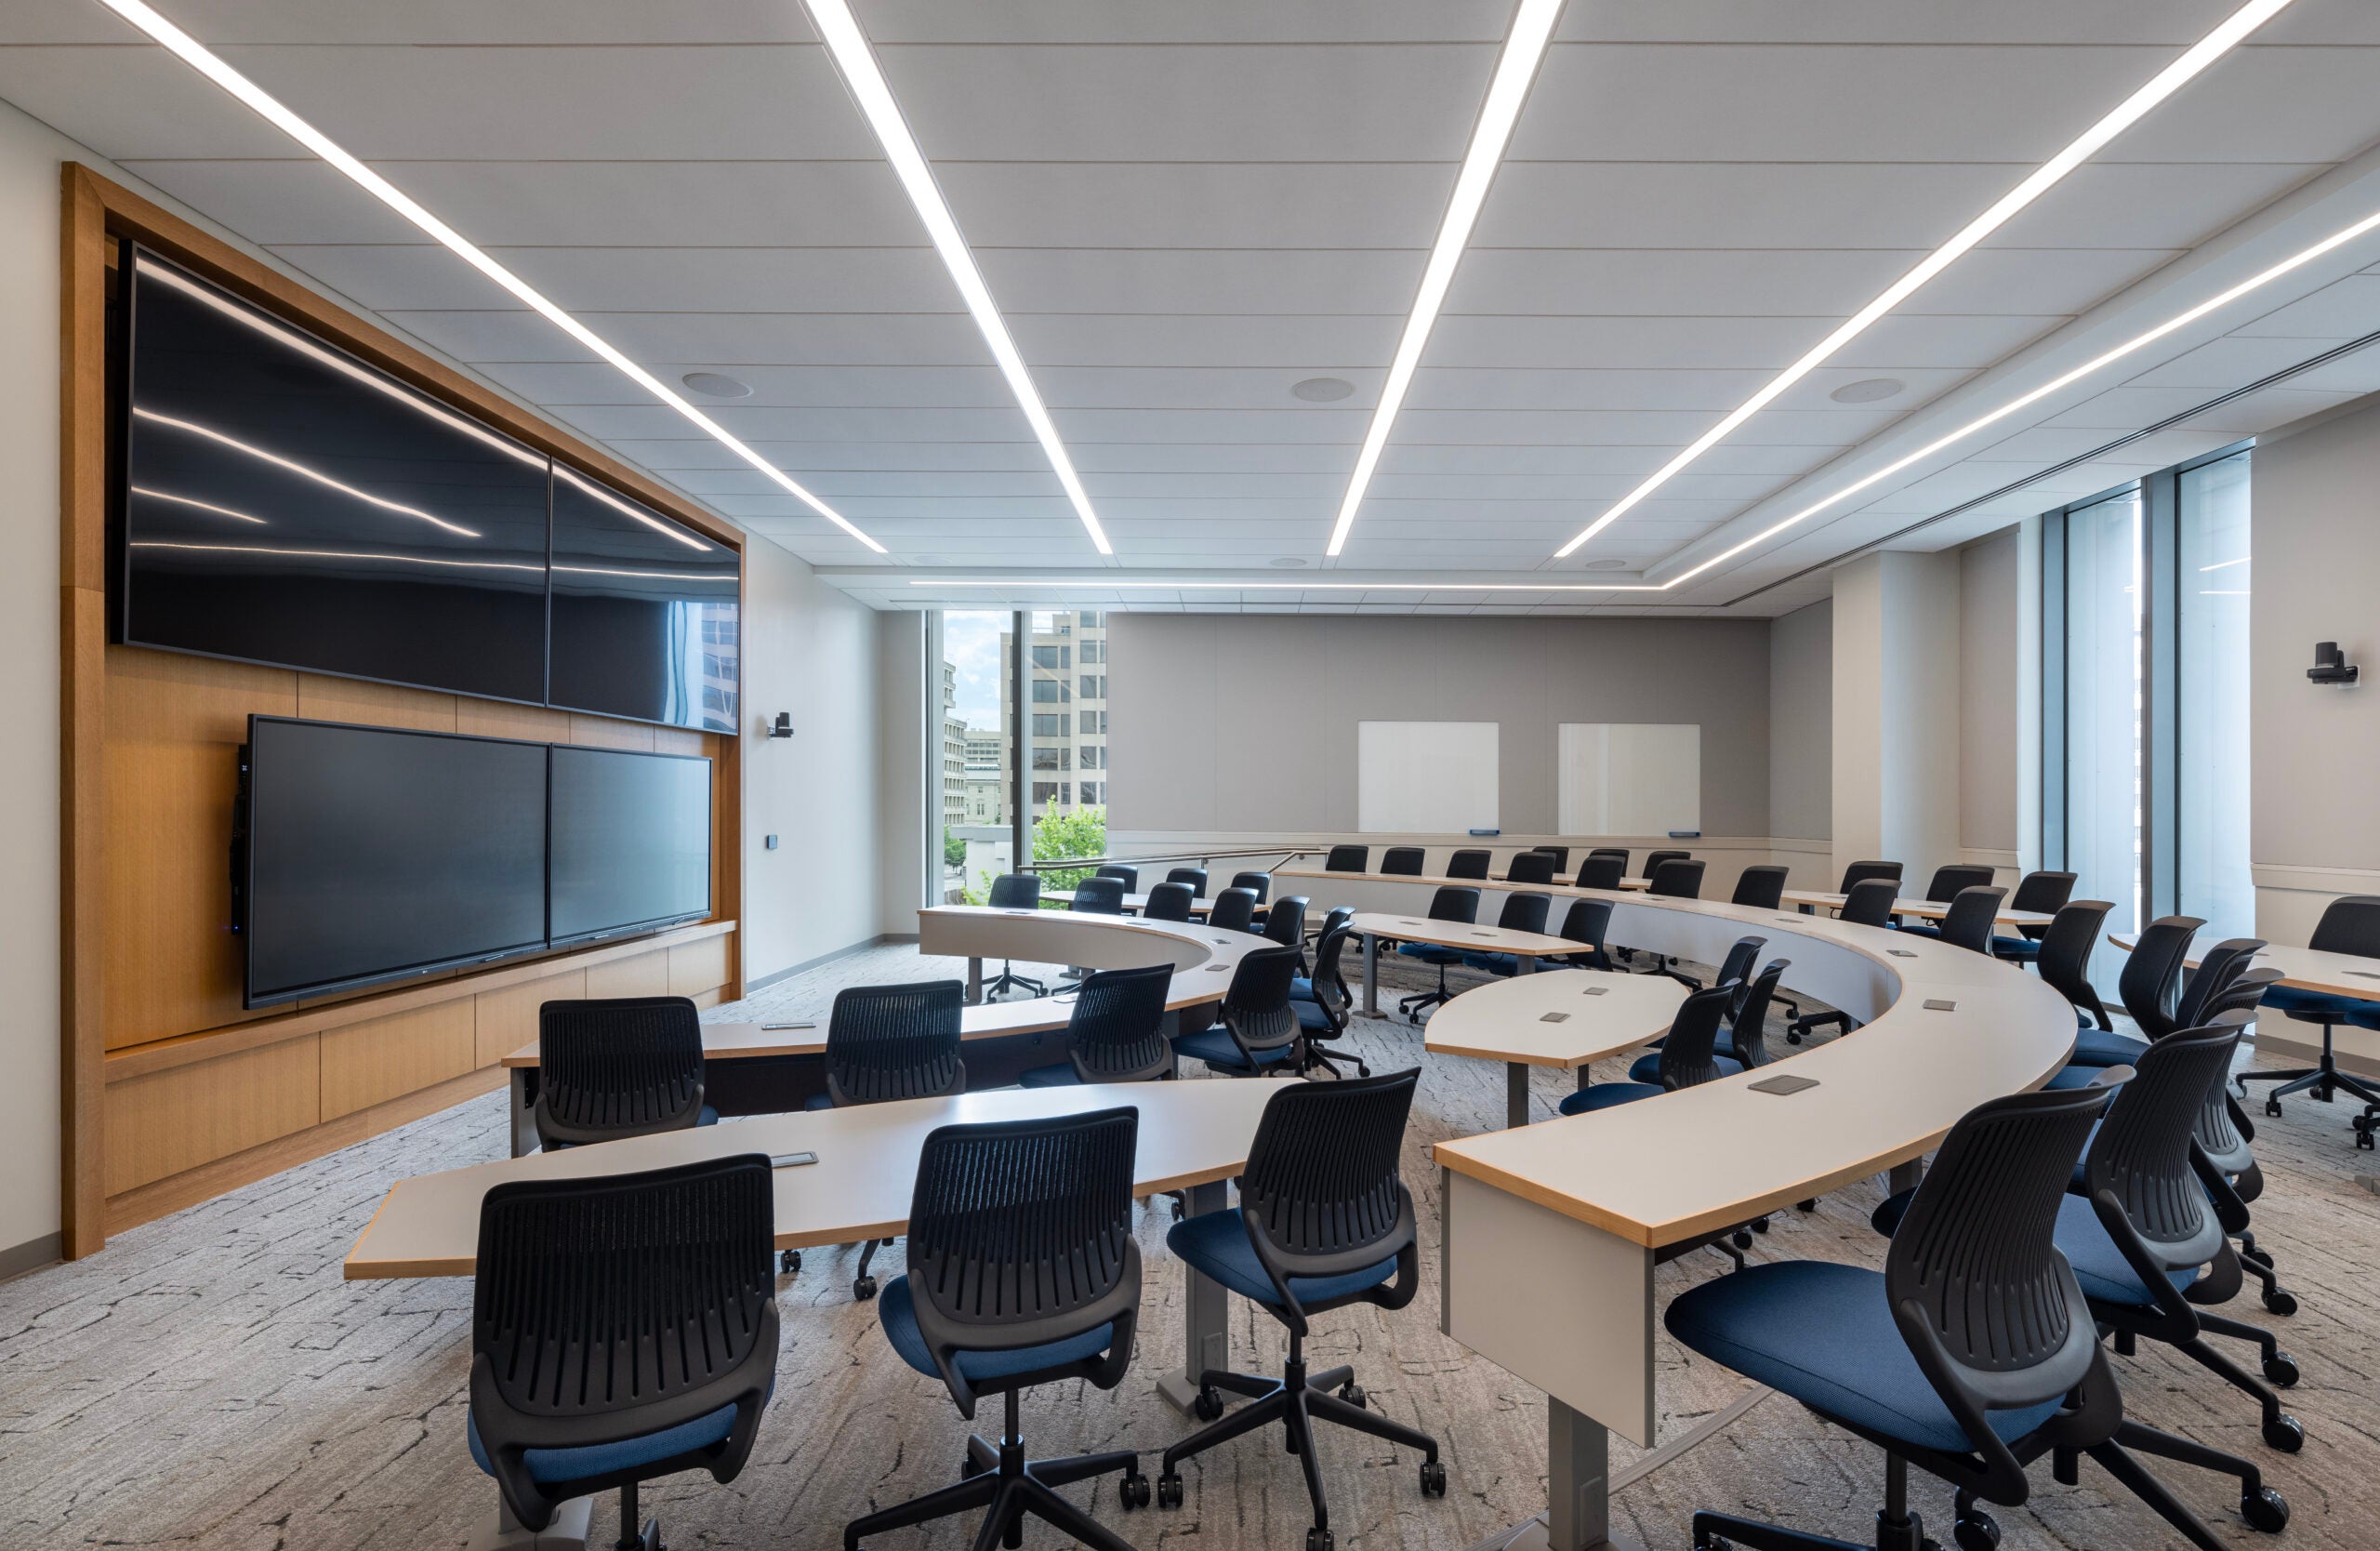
<point>644,612</point>
<point>630,842</point>
<point>285,502</point>
<point>373,855</point>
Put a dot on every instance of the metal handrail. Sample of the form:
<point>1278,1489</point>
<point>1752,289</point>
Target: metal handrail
<point>1202,857</point>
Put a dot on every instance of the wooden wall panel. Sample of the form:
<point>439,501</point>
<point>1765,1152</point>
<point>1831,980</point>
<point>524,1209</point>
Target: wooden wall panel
<point>501,719</point>
<point>168,1122</point>
<point>646,975</point>
<point>370,1063</point>
<point>602,732</point>
<point>696,967</point>
<point>508,1018</point>
<point>320,698</point>
<point>174,728</point>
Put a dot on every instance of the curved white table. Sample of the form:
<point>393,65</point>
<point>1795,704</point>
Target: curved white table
<point>1202,956</point>
<point>1551,1230</point>
<point>1564,1018</point>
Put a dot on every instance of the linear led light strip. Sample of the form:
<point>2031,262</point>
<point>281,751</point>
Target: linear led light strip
<point>200,59</point>
<point>847,46</point>
<point>1532,25</point>
<point>2166,82</point>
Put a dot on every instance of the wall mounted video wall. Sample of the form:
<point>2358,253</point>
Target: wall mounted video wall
<point>279,500</point>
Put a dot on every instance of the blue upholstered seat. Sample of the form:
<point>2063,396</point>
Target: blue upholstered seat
<point>1823,1334</point>
<point>1606,1095</point>
<point>2076,1076</point>
<point>1301,989</point>
<point>2291,999</point>
<point>547,1466</point>
<point>1494,963</point>
<point>1934,931</point>
<point>706,1115</point>
<point>1430,953</point>
<point>2095,1047</point>
<point>1648,1068</point>
<point>2025,949</point>
<point>2098,1264</point>
<point>819,1101</point>
<point>1310,1015</point>
<point>1217,1048</point>
<point>1216,1242</point>
<point>896,1307</point>
<point>1060,1076</point>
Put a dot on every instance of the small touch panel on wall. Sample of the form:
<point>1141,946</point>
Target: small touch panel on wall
<point>1629,778</point>
<point>285,502</point>
<point>1425,777</point>
<point>644,612</point>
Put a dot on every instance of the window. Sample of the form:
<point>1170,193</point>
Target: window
<point>2211,699</point>
<point>975,763</point>
<point>2104,704</point>
<point>1052,759</point>
<point>1051,692</point>
<point>1092,654</point>
<point>1095,686</point>
<point>1052,656</point>
<point>1045,791</point>
<point>1093,756</point>
<point>1050,725</point>
<point>1090,790</point>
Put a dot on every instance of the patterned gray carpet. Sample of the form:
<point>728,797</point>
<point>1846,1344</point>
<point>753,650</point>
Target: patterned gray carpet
<point>209,1381</point>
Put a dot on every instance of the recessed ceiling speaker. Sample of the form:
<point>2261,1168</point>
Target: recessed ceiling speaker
<point>717,386</point>
<point>1604,565</point>
<point>1286,562</point>
<point>1322,390</point>
<point>1868,389</point>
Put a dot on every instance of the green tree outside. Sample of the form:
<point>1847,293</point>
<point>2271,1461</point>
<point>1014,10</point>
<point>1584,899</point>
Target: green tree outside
<point>1058,836</point>
<point>954,850</point>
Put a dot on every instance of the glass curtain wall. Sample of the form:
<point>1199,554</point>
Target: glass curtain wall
<point>2105,700</point>
<point>2210,770</point>
<point>1066,698</point>
<point>975,760</point>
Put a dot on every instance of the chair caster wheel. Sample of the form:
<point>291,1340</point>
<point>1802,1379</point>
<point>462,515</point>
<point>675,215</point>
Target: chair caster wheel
<point>1132,1492</point>
<point>1433,1478</point>
<point>1320,1540</point>
<point>2284,1434</point>
<point>1168,1490</point>
<point>2272,1107</point>
<point>2281,1371</point>
<point>1178,1211</point>
<point>1977,1532</point>
<point>789,1264</point>
<point>2281,1302</point>
<point>1208,1405</point>
<point>1714,1542</point>
<point>1810,1205</point>
<point>2261,1258</point>
<point>1352,1393</point>
<point>1362,1070</point>
<point>863,1288</point>
<point>1760,1224</point>
<point>1740,1239</point>
<point>2264,1509</point>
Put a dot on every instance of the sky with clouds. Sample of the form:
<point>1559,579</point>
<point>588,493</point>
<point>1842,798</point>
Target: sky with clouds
<point>972,644</point>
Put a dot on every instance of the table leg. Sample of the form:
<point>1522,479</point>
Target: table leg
<point>1578,1479</point>
<point>1525,964</point>
<point>1516,1095</point>
<point>525,1118</point>
<point>1904,1177</point>
<point>1205,1305</point>
<point>1372,975</point>
<point>568,1531</point>
<point>974,981</point>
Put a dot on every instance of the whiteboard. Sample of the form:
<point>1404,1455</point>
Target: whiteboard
<point>1425,777</point>
<point>1629,778</point>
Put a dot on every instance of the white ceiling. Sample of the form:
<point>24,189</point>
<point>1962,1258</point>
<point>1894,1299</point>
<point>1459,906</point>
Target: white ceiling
<point>1183,209</point>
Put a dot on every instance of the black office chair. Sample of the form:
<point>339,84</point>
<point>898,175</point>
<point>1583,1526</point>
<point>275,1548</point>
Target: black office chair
<point>1861,872</point>
<point>1258,883</point>
<point>2150,986</point>
<point>2064,961</point>
<point>1521,912</point>
<point>1402,861</point>
<point>1687,1056</point>
<point>1169,901</point>
<point>1530,866</point>
<point>1561,854</point>
<point>1948,880</point>
<point>1586,924</point>
<point>1194,876</point>
<point>2045,893</point>
<point>1323,1222</point>
<point>621,1067</point>
<point>1679,878</point>
<point>1257,1027</point>
<point>1348,859</point>
<point>624,1327</point>
<point>1866,903</point>
<point>2221,968</point>
<point>1653,860</point>
<point>1452,902</point>
<point>1327,1005</point>
<point>1601,870</point>
<point>1761,887</point>
<point>886,1043</point>
<point>2225,1135</point>
<point>1735,968</point>
<point>2349,924</point>
<point>1098,896</point>
<point>1233,910</point>
<point>1467,863</point>
<point>1967,924</point>
<point>1284,923</point>
<point>1115,1033</point>
<point>1128,876</point>
<point>1618,851</point>
<point>1908,1359</point>
<point>1022,1272</point>
<point>1015,891</point>
<point>1746,1042</point>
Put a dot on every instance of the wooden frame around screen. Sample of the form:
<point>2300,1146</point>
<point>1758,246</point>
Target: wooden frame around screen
<point>97,212</point>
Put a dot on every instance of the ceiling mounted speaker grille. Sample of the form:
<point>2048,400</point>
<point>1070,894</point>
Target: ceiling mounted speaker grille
<point>1323,389</point>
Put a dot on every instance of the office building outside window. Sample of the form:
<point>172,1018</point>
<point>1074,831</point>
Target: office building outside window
<point>1068,734</point>
<point>974,762</point>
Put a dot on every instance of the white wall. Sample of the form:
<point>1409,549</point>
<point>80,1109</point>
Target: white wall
<point>28,761</point>
<point>1897,710</point>
<point>1999,699</point>
<point>812,651</point>
<point>1801,724</point>
<point>902,859</point>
